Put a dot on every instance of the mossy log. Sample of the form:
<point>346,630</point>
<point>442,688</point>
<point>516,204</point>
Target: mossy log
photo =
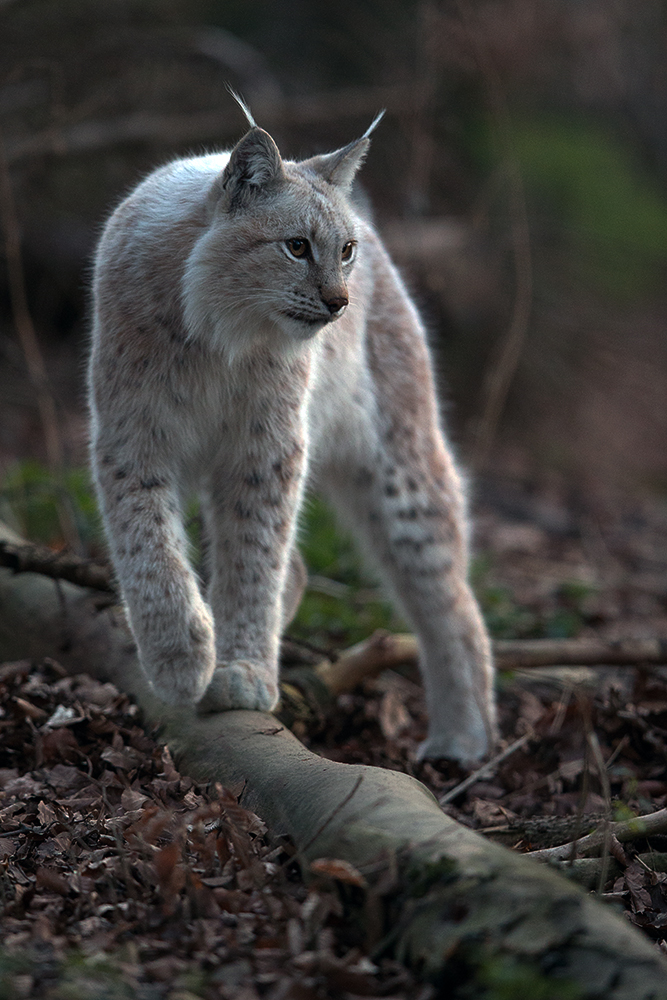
<point>467,913</point>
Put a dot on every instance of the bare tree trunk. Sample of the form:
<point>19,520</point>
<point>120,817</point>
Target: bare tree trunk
<point>455,906</point>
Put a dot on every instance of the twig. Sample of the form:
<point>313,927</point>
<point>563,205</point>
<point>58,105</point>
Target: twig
<point>632,829</point>
<point>30,558</point>
<point>594,744</point>
<point>520,654</point>
<point>22,320</point>
<point>382,651</point>
<point>503,366</point>
<point>485,771</point>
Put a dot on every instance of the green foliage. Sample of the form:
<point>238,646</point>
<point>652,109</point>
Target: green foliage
<point>622,812</point>
<point>352,613</point>
<point>326,620</point>
<point>326,550</point>
<point>506,619</point>
<point>76,977</point>
<point>606,212</point>
<point>568,620</point>
<point>30,497</point>
<point>91,977</point>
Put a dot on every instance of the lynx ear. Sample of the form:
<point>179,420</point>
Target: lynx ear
<point>254,166</point>
<point>339,168</point>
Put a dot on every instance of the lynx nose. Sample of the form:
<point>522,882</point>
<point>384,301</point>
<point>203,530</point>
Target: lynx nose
<point>336,304</point>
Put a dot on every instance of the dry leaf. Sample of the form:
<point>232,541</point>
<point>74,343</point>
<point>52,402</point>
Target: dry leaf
<point>336,868</point>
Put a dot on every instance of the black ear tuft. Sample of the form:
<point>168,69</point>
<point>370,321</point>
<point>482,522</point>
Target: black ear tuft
<point>254,166</point>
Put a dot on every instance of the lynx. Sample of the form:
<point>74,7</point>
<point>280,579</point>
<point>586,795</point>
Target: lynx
<point>253,341</point>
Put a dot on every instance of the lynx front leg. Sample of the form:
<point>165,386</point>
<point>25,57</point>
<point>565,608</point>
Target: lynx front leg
<point>251,520</point>
<point>172,626</point>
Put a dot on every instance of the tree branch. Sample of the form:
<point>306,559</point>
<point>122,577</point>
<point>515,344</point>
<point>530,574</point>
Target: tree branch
<point>29,558</point>
<point>627,830</point>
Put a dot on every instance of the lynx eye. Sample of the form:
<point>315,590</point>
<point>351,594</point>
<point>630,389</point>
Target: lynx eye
<point>298,247</point>
<point>347,253</point>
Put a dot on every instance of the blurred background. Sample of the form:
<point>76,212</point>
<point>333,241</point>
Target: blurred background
<point>519,179</point>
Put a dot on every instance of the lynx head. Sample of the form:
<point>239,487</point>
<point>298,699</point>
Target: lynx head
<point>280,243</point>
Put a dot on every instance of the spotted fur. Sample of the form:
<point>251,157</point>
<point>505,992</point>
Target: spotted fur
<point>216,369</point>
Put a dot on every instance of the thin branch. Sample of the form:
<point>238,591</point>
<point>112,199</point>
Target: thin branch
<point>385,651</point>
<point>520,654</point>
<point>382,651</point>
<point>22,319</point>
<point>594,745</point>
<point>627,830</point>
<point>486,770</point>
<point>30,558</point>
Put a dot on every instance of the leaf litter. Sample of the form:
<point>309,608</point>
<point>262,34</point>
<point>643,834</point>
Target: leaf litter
<point>120,877</point>
<point>552,568</point>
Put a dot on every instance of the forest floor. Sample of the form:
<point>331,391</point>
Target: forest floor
<point>121,877</point>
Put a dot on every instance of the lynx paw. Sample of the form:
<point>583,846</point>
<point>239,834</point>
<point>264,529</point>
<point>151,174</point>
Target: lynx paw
<point>241,684</point>
<point>466,749</point>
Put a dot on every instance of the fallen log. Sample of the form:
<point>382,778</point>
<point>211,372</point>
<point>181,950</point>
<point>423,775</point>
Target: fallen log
<point>466,912</point>
<point>383,650</point>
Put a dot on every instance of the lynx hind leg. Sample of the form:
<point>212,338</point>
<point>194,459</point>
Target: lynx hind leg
<point>416,538</point>
<point>400,492</point>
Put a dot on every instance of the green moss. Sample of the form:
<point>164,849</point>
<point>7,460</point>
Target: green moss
<point>421,879</point>
<point>91,977</point>
<point>504,977</point>
<point>13,965</point>
<point>76,977</point>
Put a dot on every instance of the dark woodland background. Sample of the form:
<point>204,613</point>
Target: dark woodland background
<point>520,179</point>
